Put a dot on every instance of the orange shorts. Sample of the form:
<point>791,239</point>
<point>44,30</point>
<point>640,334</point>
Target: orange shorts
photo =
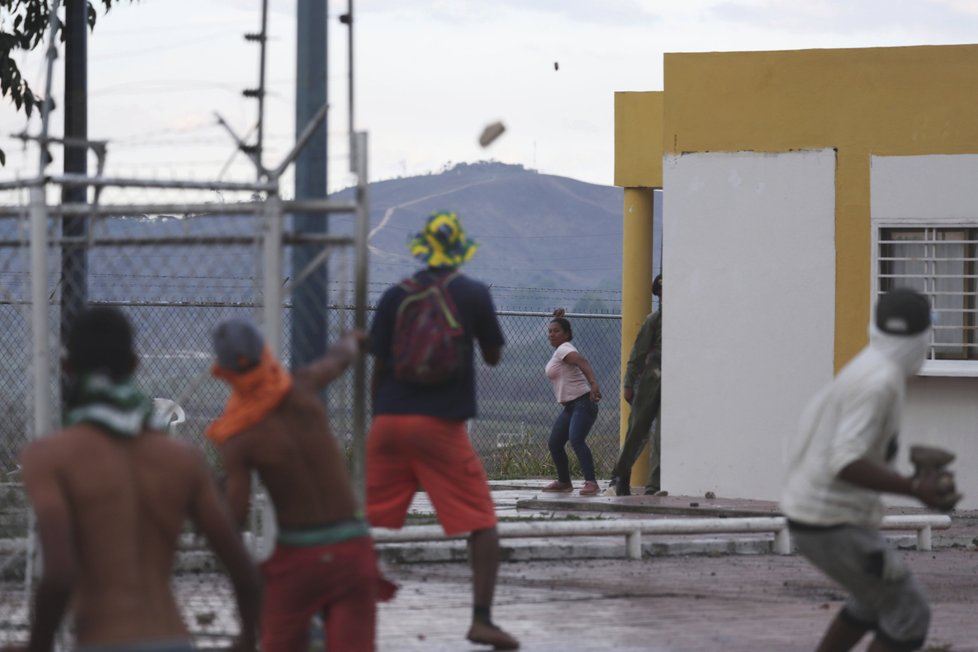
<point>405,451</point>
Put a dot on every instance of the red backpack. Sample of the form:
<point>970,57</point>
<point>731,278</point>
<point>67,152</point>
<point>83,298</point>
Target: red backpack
<point>429,340</point>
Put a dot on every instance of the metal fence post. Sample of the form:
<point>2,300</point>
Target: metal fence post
<point>272,326</point>
<point>360,319</point>
<point>39,356</point>
<point>39,288</point>
<point>39,311</point>
<point>272,274</point>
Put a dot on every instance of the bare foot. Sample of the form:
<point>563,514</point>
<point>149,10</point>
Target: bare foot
<point>486,634</point>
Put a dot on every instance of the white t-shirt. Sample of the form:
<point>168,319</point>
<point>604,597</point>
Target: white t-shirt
<point>857,416</point>
<point>567,379</point>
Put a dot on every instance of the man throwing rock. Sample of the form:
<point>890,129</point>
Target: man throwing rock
<point>275,423</point>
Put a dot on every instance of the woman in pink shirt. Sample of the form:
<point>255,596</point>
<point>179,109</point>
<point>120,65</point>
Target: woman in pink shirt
<point>576,389</point>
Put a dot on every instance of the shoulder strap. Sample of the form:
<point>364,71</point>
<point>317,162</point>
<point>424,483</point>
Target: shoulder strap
<point>411,284</point>
<point>448,278</point>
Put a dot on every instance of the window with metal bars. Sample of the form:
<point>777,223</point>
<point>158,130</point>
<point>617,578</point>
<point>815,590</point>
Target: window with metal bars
<point>941,262</point>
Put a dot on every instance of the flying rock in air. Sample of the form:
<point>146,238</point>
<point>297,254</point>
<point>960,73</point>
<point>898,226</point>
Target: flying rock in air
<point>491,133</point>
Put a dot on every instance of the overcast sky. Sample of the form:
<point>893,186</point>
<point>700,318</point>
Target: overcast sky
<point>431,74</point>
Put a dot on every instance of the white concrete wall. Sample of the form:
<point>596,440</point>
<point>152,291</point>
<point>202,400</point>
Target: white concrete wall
<point>944,412</point>
<point>941,410</point>
<point>749,319</point>
<point>937,187</point>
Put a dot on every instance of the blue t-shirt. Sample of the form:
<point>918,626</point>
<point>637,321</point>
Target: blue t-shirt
<point>453,400</point>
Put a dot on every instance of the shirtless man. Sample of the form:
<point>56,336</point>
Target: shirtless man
<point>111,495</point>
<point>275,424</point>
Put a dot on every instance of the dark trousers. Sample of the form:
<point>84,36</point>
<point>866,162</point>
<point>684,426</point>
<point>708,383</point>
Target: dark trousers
<point>645,410</point>
<point>573,424</point>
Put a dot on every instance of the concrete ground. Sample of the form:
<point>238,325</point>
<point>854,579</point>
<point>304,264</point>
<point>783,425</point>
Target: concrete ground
<point>693,593</point>
<point>674,604</point>
<point>684,595</point>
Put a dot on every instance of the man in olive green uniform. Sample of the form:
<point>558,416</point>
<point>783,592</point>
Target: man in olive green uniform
<point>642,390</point>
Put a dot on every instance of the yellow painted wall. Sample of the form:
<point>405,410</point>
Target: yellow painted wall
<point>888,101</point>
<point>638,139</point>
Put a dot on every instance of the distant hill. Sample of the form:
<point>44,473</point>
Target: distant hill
<point>544,241</point>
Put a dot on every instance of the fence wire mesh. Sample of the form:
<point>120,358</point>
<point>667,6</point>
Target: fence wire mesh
<point>177,263</point>
<point>174,275</point>
<point>177,274</point>
<point>517,406</point>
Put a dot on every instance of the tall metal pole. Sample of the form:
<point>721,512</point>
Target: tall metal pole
<point>256,151</point>
<point>347,19</point>
<point>39,255</point>
<point>309,298</point>
<point>74,257</point>
<point>261,82</point>
<point>41,349</point>
<point>263,516</point>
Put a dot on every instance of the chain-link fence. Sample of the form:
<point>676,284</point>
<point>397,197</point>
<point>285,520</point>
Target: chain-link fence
<point>189,293</point>
<point>177,257</point>
<point>183,291</point>
<point>174,294</point>
<point>178,267</point>
<point>516,402</point>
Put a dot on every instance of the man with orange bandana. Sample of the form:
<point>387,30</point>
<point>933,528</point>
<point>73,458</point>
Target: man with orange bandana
<point>418,435</point>
<point>275,424</point>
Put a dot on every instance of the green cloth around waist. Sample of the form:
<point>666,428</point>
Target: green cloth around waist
<point>320,535</point>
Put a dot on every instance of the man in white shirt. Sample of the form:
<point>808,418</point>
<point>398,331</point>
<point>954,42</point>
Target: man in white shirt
<point>840,465</point>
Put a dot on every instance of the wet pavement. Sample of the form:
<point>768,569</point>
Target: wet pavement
<point>668,601</point>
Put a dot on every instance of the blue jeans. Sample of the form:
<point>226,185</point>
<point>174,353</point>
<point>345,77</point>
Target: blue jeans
<point>573,424</point>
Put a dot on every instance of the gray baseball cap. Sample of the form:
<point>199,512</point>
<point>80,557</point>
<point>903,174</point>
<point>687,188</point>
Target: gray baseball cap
<point>238,344</point>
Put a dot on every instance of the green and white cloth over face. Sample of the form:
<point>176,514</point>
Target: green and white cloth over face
<point>118,407</point>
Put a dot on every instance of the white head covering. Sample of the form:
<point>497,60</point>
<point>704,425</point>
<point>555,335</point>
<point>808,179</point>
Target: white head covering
<point>907,351</point>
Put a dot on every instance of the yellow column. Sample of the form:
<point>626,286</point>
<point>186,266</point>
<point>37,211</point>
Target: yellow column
<point>636,294</point>
<point>853,240</point>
